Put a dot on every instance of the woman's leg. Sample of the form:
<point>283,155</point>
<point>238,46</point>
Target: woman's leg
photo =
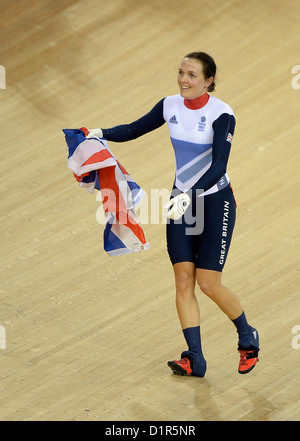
<point>189,317</point>
<point>210,284</point>
<point>186,302</point>
<point>248,344</point>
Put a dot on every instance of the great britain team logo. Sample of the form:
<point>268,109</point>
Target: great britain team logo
<point>202,124</point>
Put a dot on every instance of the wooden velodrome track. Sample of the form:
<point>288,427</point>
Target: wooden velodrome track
<point>88,336</point>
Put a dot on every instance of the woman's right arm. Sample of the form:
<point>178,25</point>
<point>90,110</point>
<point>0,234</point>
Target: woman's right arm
<point>126,132</point>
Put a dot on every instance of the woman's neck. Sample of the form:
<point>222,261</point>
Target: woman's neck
<point>197,103</point>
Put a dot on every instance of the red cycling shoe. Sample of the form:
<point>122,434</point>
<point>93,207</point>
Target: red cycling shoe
<point>248,360</point>
<point>181,367</point>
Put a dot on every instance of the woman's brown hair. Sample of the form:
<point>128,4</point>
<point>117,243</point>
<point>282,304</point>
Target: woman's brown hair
<point>209,66</point>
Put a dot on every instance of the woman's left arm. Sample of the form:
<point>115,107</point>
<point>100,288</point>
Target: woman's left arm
<point>223,132</point>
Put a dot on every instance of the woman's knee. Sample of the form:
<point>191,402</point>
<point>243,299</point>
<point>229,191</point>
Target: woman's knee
<point>210,286</point>
<point>184,279</point>
<point>184,282</point>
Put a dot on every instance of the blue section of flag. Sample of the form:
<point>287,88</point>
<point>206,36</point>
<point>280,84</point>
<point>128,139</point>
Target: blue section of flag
<point>74,137</point>
<point>111,241</point>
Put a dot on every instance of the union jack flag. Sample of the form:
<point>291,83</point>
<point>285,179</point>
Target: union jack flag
<point>229,138</point>
<point>95,167</point>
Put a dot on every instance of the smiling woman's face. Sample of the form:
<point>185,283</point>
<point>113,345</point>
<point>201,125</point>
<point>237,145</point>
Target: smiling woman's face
<point>191,80</point>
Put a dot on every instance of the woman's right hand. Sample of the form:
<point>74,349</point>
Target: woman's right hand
<point>177,206</point>
<point>95,133</point>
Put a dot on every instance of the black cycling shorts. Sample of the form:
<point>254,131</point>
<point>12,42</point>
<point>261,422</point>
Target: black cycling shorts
<point>204,233</point>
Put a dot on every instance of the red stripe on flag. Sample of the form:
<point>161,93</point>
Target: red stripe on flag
<point>124,218</point>
<point>98,157</point>
<point>113,200</point>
